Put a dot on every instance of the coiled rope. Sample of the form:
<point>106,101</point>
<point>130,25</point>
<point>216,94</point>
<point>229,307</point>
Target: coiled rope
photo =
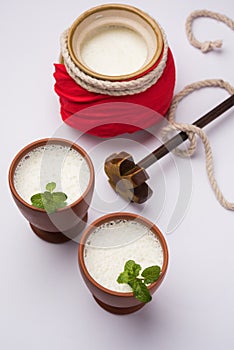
<point>193,130</point>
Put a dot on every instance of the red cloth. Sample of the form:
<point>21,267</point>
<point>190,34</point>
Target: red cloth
<point>108,116</point>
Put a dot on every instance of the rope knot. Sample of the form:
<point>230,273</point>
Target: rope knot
<point>207,45</point>
<point>211,45</point>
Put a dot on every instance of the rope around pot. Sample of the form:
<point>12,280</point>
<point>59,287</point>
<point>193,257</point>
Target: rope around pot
<point>113,88</point>
<point>193,130</point>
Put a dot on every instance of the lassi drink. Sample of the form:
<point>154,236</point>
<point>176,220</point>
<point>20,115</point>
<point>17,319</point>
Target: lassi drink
<point>114,50</point>
<point>113,243</point>
<point>52,163</point>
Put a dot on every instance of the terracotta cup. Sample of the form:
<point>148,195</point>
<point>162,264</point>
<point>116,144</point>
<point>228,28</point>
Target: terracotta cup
<point>112,301</point>
<point>66,223</point>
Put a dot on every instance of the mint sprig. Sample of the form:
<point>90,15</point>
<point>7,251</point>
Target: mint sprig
<point>49,200</point>
<point>130,275</point>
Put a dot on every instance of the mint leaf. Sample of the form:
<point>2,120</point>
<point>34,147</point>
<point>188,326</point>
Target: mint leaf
<point>151,274</point>
<point>140,291</point>
<point>123,277</point>
<point>132,268</point>
<point>138,284</point>
<point>50,207</point>
<point>129,265</point>
<point>50,186</point>
<point>131,271</point>
<point>60,205</point>
<point>49,200</point>
<point>47,196</point>
<point>59,197</point>
<point>37,201</point>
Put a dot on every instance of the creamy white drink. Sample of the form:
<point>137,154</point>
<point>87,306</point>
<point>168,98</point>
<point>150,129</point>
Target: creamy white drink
<point>52,163</point>
<point>114,51</point>
<point>112,244</point>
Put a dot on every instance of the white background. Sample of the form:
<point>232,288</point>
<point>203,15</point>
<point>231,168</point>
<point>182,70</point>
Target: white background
<point>44,303</point>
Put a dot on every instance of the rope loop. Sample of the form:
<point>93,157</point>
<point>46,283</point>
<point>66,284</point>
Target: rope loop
<point>207,45</point>
<point>193,131</point>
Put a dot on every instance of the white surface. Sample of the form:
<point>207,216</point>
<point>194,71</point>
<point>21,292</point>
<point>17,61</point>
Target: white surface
<point>44,303</point>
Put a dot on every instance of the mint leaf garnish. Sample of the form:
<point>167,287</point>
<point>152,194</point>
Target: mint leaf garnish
<point>132,268</point>
<point>123,277</point>
<point>49,200</point>
<point>59,197</point>
<point>151,274</point>
<point>140,291</point>
<point>130,275</point>
<point>37,201</point>
<point>50,186</point>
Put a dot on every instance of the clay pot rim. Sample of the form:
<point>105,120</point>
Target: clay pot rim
<point>147,18</point>
<point>39,143</point>
<point>127,216</point>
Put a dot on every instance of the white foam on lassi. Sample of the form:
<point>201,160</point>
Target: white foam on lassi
<point>114,51</point>
<point>52,163</point>
<point>112,244</point>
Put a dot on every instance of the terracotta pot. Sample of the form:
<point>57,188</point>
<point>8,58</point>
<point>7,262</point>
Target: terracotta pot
<point>66,223</point>
<point>112,301</point>
<point>107,16</point>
